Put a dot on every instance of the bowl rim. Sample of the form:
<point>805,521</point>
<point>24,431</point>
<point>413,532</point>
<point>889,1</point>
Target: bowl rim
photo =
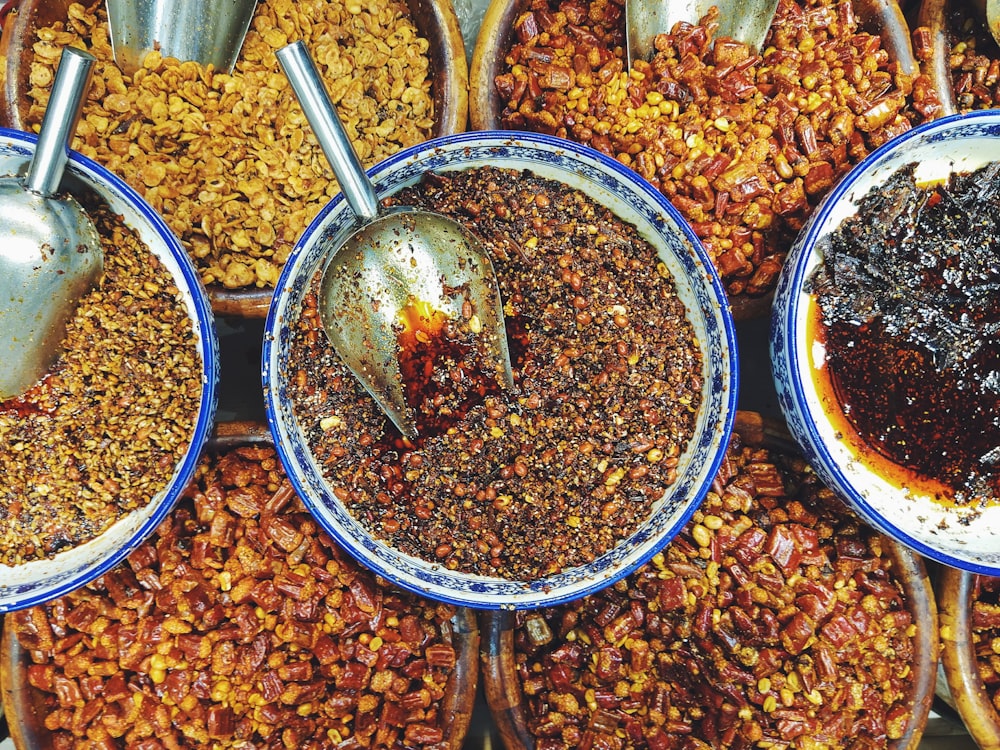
<point>543,590</point>
<point>786,334</point>
<point>207,341</point>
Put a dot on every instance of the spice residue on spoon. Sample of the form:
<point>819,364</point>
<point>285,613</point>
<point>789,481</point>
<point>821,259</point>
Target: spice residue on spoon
<point>909,312</point>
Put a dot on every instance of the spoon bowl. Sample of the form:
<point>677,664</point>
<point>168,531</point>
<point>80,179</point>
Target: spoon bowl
<point>208,32</point>
<point>51,253</point>
<point>396,261</point>
<point>745,21</point>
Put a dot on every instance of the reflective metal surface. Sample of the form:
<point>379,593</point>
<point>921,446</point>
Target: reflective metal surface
<point>50,252</point>
<point>394,260</point>
<point>209,32</point>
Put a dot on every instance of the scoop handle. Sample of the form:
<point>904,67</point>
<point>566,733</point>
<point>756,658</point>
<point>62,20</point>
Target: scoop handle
<point>309,89</point>
<point>62,113</point>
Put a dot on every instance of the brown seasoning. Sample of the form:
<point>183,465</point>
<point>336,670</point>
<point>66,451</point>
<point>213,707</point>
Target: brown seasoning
<point>240,623</point>
<point>557,472</point>
<point>229,160</point>
<point>744,145</point>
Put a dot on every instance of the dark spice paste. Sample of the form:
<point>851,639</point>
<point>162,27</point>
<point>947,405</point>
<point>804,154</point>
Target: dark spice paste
<point>521,483</point>
<point>909,305</point>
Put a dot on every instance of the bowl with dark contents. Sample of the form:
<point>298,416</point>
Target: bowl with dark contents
<point>883,341</point>
<point>95,454</point>
<point>623,353</point>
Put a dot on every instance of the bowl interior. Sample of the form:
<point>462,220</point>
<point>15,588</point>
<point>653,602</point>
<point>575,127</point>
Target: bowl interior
<point>38,581</point>
<point>608,183</point>
<point>435,19</point>
<point>960,537</point>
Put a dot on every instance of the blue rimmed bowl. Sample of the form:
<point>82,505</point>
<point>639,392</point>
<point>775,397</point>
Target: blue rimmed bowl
<point>632,200</point>
<point>38,581</point>
<point>961,537</point>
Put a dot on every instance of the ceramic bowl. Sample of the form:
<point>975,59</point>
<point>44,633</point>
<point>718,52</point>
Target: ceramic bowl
<point>435,19</point>
<point>37,581</point>
<point>503,661</point>
<point>956,592</point>
<point>497,35</point>
<point>27,706</point>
<point>632,200</point>
<point>959,537</point>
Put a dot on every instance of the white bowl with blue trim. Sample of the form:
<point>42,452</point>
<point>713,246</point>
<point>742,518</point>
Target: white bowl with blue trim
<point>960,537</point>
<point>38,581</point>
<point>632,200</point>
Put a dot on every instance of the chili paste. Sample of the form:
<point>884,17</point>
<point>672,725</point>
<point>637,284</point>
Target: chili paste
<point>908,301</point>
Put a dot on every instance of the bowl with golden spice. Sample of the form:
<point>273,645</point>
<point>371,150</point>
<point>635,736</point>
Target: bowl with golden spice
<point>228,160</point>
<point>743,143</point>
<point>623,356</point>
<point>883,347</point>
<point>96,453</point>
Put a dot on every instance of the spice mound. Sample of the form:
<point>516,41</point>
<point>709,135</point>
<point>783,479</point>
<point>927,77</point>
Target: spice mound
<point>523,483</point>
<point>909,316</point>
<point>228,160</point>
<point>240,624</point>
<point>743,144</point>
<point>985,626</point>
<point>103,432</point>
<point>775,619</point>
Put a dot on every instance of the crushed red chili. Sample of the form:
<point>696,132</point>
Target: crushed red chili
<point>985,626</point>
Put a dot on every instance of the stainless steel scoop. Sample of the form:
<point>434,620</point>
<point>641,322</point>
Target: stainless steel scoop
<point>209,32</point>
<point>398,257</point>
<point>50,252</point>
<point>744,20</point>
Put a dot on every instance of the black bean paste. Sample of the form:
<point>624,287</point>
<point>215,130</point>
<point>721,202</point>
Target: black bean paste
<point>909,299</point>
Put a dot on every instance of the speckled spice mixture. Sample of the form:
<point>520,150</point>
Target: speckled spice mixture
<point>608,384</point>
<point>102,434</point>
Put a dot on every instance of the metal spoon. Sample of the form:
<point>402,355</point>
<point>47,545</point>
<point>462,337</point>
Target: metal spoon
<point>209,32</point>
<point>398,257</point>
<point>50,252</point>
<point>746,21</point>
<point>989,11</point>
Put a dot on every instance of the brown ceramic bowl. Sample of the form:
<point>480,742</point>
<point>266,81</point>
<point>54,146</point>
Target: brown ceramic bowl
<point>956,591</point>
<point>25,705</point>
<point>435,19</point>
<point>503,686</point>
<point>882,17</point>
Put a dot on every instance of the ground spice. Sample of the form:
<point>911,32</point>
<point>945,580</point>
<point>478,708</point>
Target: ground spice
<point>556,472</point>
<point>102,434</point>
<point>776,619</point>
<point>907,295</point>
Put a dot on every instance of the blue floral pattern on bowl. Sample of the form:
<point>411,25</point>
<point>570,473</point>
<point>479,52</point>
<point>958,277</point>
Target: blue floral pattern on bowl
<point>631,199</point>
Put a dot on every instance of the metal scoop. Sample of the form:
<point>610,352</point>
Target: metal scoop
<point>397,258</point>
<point>989,11</point>
<point>50,252</point>
<point>746,21</point>
<point>209,32</point>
